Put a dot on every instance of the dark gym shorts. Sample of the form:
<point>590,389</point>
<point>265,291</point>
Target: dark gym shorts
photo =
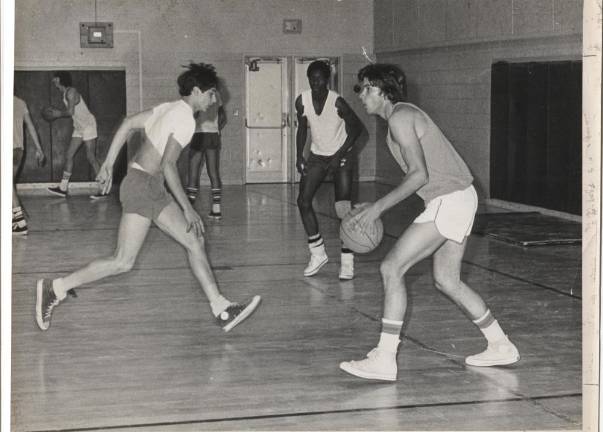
<point>205,141</point>
<point>144,194</point>
<point>321,162</point>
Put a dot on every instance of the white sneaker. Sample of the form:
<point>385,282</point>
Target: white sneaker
<point>315,264</point>
<point>346,270</point>
<point>378,364</point>
<point>497,354</point>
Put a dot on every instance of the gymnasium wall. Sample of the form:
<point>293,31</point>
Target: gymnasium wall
<point>447,47</point>
<point>154,37</point>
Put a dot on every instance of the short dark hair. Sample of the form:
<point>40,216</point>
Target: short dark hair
<point>64,78</point>
<point>202,75</point>
<point>321,66</point>
<point>389,78</point>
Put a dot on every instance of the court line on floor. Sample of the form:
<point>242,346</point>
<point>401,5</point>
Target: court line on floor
<point>320,412</point>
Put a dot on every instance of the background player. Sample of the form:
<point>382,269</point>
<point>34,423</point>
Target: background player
<point>334,128</point>
<point>206,144</point>
<point>21,115</point>
<point>84,130</point>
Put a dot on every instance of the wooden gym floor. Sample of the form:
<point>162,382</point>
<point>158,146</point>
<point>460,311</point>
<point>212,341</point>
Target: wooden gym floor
<point>140,351</point>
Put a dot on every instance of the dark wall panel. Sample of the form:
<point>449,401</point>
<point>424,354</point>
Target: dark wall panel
<point>536,134</point>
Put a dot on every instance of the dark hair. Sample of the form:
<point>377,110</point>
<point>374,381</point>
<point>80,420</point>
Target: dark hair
<point>320,66</point>
<point>200,75</point>
<point>389,78</point>
<point>64,78</point>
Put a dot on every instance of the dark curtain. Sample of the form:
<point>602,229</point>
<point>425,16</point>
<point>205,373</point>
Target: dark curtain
<point>536,153</point>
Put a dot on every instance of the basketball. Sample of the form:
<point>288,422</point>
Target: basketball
<point>48,114</point>
<point>354,239</point>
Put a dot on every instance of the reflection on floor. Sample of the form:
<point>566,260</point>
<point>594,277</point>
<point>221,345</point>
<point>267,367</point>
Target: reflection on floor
<point>140,351</point>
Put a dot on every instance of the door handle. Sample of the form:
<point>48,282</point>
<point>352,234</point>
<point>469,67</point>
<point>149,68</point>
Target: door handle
<point>262,127</point>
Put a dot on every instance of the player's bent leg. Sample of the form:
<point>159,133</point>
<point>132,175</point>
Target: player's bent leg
<point>309,184</point>
<point>62,189</point>
<point>195,158</point>
<point>72,149</point>
<point>212,159</point>
<point>171,220</point>
<point>446,270</point>
<point>228,314</point>
<point>19,223</point>
<point>343,205</point>
<point>90,146</point>
<point>132,232</point>
<point>418,242</point>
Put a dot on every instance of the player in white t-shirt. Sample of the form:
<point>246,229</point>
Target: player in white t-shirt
<point>166,129</point>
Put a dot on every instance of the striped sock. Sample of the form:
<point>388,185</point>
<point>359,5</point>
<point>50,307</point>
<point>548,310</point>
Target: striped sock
<point>191,192</point>
<point>490,328</point>
<point>390,334</point>
<point>216,199</point>
<point>315,241</point>
<point>345,250</point>
<point>65,181</point>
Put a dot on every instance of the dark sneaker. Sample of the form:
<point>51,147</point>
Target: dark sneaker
<point>236,313</point>
<point>98,196</point>
<point>46,300</point>
<point>215,215</point>
<point>19,230</point>
<point>57,191</point>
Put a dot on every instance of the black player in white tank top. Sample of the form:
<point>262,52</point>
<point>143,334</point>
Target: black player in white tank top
<point>334,128</point>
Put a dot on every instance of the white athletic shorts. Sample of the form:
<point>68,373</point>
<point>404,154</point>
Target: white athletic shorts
<point>452,213</point>
<point>87,133</point>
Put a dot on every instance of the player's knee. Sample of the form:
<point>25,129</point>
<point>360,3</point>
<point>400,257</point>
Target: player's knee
<point>122,264</point>
<point>304,204</point>
<point>194,244</point>
<point>446,283</point>
<point>389,268</point>
<point>342,208</point>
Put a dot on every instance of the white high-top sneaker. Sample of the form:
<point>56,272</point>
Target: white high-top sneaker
<point>346,270</point>
<point>379,364</point>
<point>318,258</point>
<point>497,354</point>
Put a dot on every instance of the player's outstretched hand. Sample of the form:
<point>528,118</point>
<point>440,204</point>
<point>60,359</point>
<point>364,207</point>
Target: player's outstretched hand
<point>105,178</point>
<point>41,158</point>
<point>194,222</point>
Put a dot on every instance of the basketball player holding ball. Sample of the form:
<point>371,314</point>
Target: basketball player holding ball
<point>436,172</point>
<point>334,128</point>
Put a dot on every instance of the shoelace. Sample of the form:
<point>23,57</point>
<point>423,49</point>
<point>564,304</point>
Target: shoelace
<point>49,307</point>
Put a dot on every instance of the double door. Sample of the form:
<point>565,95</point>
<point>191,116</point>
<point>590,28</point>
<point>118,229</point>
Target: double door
<point>272,85</point>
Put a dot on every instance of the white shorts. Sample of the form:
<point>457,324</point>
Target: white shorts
<point>87,133</point>
<point>452,213</point>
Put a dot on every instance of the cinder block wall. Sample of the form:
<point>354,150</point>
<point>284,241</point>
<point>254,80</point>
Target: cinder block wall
<point>446,48</point>
<point>153,38</point>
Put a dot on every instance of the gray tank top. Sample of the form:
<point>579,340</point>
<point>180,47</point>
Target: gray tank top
<point>447,170</point>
